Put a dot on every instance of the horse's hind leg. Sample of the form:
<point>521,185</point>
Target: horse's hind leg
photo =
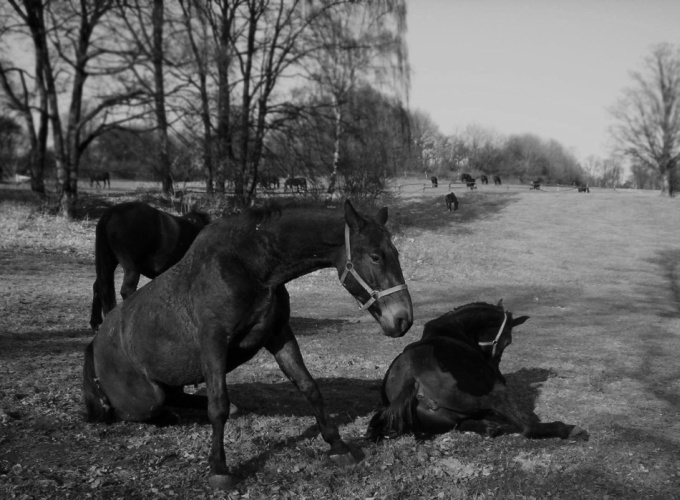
<point>130,282</point>
<point>286,351</point>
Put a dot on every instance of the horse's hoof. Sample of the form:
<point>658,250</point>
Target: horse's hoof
<point>221,482</point>
<point>578,434</point>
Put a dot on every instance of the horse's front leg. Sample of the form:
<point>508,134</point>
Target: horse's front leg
<point>214,356</point>
<point>130,282</point>
<point>286,351</point>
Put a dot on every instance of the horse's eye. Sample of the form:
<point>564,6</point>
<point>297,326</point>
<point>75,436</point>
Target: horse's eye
<point>375,258</point>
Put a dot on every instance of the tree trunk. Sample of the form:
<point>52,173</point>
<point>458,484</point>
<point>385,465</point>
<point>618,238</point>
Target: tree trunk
<point>159,97</point>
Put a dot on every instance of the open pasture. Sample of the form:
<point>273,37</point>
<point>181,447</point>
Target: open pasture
<point>598,273</point>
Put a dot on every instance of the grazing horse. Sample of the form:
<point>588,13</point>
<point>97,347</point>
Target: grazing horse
<point>497,180</point>
<point>484,179</point>
<point>466,178</point>
<point>435,181</point>
<point>98,177</point>
<point>269,181</point>
<point>227,299</point>
<point>144,241</point>
<point>471,184</point>
<point>583,188</point>
<point>295,182</point>
<point>451,379</point>
<point>451,199</point>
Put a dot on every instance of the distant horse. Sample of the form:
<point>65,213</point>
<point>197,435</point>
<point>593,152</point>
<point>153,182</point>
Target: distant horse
<point>18,178</point>
<point>295,182</point>
<point>451,379</point>
<point>535,185</point>
<point>451,199</point>
<point>484,179</point>
<point>269,181</point>
<point>583,188</point>
<point>434,181</point>
<point>471,184</point>
<point>497,180</point>
<point>466,178</point>
<point>144,241</point>
<point>97,177</point>
<point>227,299</point>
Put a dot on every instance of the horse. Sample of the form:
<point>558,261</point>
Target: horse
<point>224,301</point>
<point>103,177</point>
<point>471,184</point>
<point>466,178</point>
<point>295,182</point>
<point>583,188</point>
<point>497,180</point>
<point>451,199</point>
<point>269,181</point>
<point>144,241</point>
<point>535,185</point>
<point>435,181</point>
<point>450,379</point>
<point>484,179</point>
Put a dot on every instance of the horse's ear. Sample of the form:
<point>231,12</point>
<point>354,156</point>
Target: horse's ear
<point>381,216</point>
<point>519,321</point>
<point>500,304</point>
<point>355,221</point>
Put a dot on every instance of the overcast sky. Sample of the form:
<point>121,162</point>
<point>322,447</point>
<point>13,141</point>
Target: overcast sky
<point>548,67</point>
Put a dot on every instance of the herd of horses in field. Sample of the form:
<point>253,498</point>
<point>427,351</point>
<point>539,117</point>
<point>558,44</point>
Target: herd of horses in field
<point>218,295</point>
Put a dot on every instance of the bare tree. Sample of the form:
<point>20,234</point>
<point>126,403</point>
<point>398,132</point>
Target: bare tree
<point>647,116</point>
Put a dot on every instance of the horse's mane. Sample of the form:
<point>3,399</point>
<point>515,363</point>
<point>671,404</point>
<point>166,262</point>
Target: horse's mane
<point>474,305</point>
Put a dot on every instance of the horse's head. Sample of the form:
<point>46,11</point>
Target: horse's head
<point>495,330</point>
<point>370,270</point>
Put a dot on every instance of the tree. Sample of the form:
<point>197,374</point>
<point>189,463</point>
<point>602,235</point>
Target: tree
<point>646,125</point>
<point>10,136</point>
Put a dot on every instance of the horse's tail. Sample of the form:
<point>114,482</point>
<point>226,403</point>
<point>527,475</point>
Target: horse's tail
<point>399,417</point>
<point>105,262</point>
<point>97,406</point>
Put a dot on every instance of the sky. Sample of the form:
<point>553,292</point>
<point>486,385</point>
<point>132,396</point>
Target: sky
<point>546,67</point>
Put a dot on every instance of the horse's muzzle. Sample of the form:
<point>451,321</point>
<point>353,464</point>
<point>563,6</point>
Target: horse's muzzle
<point>395,314</point>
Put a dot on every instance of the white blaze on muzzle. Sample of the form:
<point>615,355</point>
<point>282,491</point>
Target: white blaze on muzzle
<point>349,269</point>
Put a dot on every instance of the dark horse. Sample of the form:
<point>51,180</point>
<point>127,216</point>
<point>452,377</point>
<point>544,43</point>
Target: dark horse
<point>451,379</point>
<point>269,181</point>
<point>484,179</point>
<point>583,188</point>
<point>98,177</point>
<point>471,184</point>
<point>295,182</point>
<point>497,180</point>
<point>466,178</point>
<point>451,199</point>
<point>142,240</point>
<point>227,299</point>
<point>535,185</point>
<point>434,181</point>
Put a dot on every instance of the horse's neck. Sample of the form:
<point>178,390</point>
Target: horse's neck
<point>308,245</point>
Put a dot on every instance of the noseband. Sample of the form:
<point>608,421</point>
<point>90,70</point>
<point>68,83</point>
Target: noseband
<point>494,343</point>
<point>349,269</point>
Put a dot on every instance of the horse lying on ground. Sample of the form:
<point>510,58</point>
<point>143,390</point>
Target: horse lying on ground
<point>451,199</point>
<point>450,379</point>
<point>144,241</point>
<point>227,299</point>
<point>97,177</point>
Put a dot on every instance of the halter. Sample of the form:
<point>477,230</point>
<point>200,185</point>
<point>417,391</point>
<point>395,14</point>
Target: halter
<point>349,269</point>
<point>494,343</point>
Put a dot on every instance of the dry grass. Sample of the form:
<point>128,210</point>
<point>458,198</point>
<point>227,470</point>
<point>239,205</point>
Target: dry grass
<point>598,273</point>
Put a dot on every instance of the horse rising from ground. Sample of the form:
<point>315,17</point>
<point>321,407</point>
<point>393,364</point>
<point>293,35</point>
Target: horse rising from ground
<point>295,182</point>
<point>434,181</point>
<point>484,179</point>
<point>451,379</point>
<point>466,178</point>
<point>223,302</point>
<point>450,200</point>
<point>583,188</point>
<point>97,177</point>
<point>497,180</point>
<point>144,241</point>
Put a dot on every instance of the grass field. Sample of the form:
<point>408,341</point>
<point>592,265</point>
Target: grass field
<point>598,273</point>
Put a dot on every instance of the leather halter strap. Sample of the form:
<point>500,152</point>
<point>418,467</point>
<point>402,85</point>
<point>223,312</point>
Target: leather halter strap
<point>494,342</point>
<point>349,269</point>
